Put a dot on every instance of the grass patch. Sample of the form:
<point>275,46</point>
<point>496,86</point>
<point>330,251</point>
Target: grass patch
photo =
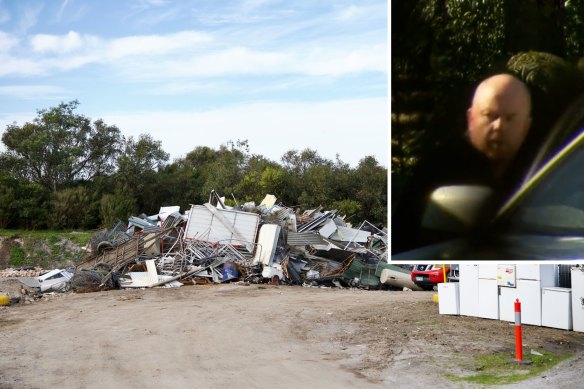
<point>17,256</point>
<point>51,236</point>
<point>495,369</point>
<point>45,248</point>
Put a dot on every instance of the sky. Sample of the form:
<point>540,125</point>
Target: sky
<point>281,74</point>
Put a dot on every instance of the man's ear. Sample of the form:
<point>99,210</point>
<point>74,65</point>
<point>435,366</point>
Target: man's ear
<point>468,117</point>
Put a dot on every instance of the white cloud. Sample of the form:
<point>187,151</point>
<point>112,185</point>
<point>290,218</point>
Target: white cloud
<point>246,61</point>
<point>7,41</point>
<point>338,62</point>
<point>44,43</point>
<point>236,60</point>
<point>189,55</point>
<point>101,50</point>
<point>11,66</point>
<point>250,5</point>
<point>152,45</point>
<point>352,128</point>
<point>33,92</point>
<point>358,12</point>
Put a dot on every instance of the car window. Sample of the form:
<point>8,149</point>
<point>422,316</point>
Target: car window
<point>567,127</point>
<point>555,205</point>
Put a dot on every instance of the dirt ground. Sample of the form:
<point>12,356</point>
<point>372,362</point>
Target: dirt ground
<point>256,336</point>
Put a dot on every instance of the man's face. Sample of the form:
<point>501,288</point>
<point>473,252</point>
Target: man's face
<point>498,121</point>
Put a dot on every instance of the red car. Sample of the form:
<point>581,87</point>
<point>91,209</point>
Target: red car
<point>426,276</point>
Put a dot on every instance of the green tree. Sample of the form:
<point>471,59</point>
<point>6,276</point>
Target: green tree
<point>69,208</point>
<point>33,206</point>
<point>179,184</point>
<point>59,147</point>
<point>352,209</point>
<point>138,165</point>
<point>117,206</point>
<point>296,163</point>
<point>574,29</point>
<point>261,177</point>
<point>371,181</point>
<point>8,201</point>
<point>226,169</point>
<point>318,183</point>
<point>299,161</point>
<point>548,15</point>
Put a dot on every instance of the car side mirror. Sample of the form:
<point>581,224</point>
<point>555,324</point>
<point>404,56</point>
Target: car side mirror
<point>457,208</point>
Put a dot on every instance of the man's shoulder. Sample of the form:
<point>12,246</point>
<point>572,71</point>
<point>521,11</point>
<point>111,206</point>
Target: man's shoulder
<point>453,162</point>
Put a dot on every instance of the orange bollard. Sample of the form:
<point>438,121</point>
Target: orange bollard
<point>518,337</point>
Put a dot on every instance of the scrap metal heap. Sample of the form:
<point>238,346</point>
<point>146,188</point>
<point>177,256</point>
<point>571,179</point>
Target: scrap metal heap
<point>215,243</point>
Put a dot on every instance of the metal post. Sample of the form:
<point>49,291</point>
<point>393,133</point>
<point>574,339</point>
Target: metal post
<point>518,337</point>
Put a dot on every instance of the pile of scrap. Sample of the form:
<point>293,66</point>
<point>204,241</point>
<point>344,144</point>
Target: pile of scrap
<point>36,284</point>
<point>215,243</point>
<point>23,271</point>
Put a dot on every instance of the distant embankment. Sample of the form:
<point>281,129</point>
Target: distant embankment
<point>41,249</point>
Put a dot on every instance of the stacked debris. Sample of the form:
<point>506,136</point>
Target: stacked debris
<point>24,271</point>
<point>215,243</point>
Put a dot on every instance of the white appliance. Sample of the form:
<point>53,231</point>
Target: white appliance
<point>449,298</point>
<point>468,285</point>
<point>529,294</point>
<point>506,276</point>
<point>507,298</point>
<point>532,271</point>
<point>530,279</point>
<point>267,242</point>
<point>488,271</point>
<point>488,298</point>
<point>578,299</point>
<point>488,291</point>
<point>507,281</point>
<point>556,308</point>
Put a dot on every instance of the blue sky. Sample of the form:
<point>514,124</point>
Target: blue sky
<point>285,75</point>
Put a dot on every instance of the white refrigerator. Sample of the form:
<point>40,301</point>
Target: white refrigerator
<point>488,291</point>
<point>448,298</point>
<point>577,278</point>
<point>556,308</point>
<point>507,296</point>
<point>507,277</point>
<point>468,289</point>
<point>530,279</point>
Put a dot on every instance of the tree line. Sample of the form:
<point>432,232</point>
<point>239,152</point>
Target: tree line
<point>65,171</point>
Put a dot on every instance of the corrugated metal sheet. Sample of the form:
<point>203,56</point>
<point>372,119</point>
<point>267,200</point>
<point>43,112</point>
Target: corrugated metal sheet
<point>317,221</point>
<point>282,214</point>
<point>328,229</point>
<point>172,220</point>
<point>304,239</point>
<point>143,224</point>
<point>346,234</point>
<point>204,225</point>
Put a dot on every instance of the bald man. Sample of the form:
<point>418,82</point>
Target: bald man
<point>498,122</point>
<point>499,119</point>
